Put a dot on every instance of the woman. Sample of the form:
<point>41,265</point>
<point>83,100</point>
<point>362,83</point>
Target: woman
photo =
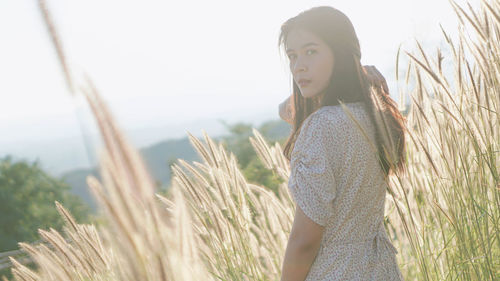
<point>339,164</point>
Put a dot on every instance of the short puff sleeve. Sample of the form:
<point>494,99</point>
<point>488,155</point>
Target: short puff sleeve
<point>312,182</point>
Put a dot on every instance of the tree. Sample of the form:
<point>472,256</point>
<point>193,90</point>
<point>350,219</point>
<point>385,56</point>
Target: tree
<point>27,196</point>
<point>251,166</point>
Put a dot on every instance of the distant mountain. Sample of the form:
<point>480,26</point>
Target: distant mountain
<point>158,158</point>
<point>76,179</point>
<point>60,155</point>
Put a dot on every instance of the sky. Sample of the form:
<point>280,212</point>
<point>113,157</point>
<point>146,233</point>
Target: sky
<point>175,62</point>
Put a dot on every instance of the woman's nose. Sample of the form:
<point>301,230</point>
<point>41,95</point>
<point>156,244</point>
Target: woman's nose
<point>299,66</point>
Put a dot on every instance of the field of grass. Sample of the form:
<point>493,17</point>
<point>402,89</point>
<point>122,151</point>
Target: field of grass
<point>442,216</point>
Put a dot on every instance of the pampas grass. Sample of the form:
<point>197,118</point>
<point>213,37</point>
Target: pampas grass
<point>443,215</point>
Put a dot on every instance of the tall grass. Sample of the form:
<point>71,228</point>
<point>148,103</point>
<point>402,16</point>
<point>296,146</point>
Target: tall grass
<point>443,214</point>
<point>448,204</point>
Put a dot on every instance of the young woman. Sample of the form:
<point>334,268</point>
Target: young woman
<point>338,179</point>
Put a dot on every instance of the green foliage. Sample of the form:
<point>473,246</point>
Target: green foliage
<point>238,143</point>
<point>27,196</point>
<point>251,166</point>
<point>256,173</point>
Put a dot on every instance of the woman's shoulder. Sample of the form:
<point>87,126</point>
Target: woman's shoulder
<point>328,122</point>
<point>334,133</point>
<point>337,111</point>
<point>330,116</point>
<point>338,127</point>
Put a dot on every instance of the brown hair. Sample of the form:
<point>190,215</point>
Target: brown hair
<point>348,84</point>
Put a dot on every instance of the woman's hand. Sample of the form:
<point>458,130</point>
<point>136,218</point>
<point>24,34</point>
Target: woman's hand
<point>375,77</point>
<point>285,110</point>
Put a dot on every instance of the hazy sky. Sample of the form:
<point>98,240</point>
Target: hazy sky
<point>163,62</point>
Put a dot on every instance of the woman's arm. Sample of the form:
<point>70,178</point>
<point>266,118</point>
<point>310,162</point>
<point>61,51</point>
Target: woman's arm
<point>285,110</point>
<point>297,262</point>
<point>302,248</point>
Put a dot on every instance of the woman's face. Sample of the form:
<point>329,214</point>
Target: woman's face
<point>311,60</point>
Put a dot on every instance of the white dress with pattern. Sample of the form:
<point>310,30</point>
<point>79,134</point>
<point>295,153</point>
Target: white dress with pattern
<point>338,183</point>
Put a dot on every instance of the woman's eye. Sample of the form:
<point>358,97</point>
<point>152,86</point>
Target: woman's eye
<point>307,52</point>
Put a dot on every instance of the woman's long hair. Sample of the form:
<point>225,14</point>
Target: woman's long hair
<point>348,84</point>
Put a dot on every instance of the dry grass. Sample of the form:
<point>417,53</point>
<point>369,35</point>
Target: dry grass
<point>443,214</point>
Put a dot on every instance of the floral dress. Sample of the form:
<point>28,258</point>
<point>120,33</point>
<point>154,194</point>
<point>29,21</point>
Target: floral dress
<point>338,183</point>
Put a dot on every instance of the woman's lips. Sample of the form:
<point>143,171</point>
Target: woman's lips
<point>304,82</point>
